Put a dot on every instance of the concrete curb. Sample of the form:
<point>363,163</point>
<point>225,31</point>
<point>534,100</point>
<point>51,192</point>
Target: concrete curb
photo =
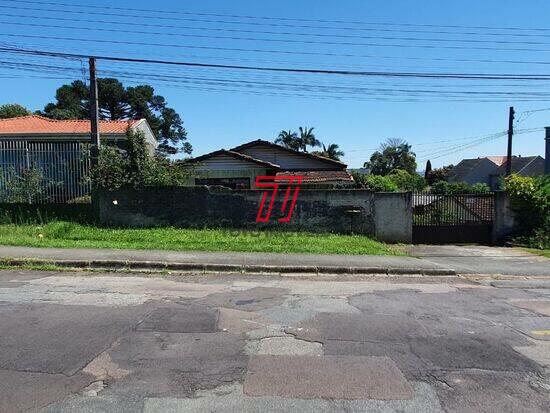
<point>117,265</point>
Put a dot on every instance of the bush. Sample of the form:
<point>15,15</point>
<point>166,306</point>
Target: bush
<point>135,167</point>
<point>530,199</point>
<point>24,186</point>
<point>376,183</point>
<point>456,188</point>
<point>406,181</point>
<point>480,188</point>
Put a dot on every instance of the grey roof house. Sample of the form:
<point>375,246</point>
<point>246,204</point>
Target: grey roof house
<point>491,169</point>
<point>238,167</point>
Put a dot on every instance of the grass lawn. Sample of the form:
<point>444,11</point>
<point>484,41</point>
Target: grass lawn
<point>72,235</point>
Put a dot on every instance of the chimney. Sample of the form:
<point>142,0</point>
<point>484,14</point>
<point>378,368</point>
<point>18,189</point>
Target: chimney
<point>547,157</point>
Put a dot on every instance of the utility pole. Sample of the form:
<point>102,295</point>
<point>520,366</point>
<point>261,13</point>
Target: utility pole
<point>510,135</point>
<point>94,114</point>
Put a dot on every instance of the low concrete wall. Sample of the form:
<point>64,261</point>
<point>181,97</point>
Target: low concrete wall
<point>393,218</point>
<point>504,223</point>
<point>340,211</point>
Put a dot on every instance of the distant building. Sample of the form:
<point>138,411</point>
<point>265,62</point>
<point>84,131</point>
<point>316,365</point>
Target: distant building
<point>238,167</point>
<point>491,169</point>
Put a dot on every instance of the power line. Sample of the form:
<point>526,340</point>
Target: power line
<point>394,45</point>
<point>480,76</point>
<point>285,33</point>
<point>334,43</point>
<point>271,18</point>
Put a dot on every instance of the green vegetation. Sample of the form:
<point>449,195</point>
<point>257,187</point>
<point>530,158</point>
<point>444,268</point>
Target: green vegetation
<point>20,214</point>
<point>455,188</point>
<point>530,199</point>
<point>398,180</point>
<point>73,235</point>
<point>543,253</point>
<point>22,186</point>
<point>134,167</point>
<point>393,154</point>
<point>10,264</point>
<point>13,110</point>
<point>119,102</point>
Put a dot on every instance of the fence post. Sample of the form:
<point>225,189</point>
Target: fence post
<point>27,169</point>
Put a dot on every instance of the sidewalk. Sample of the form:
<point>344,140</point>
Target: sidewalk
<point>226,261</point>
<point>425,260</point>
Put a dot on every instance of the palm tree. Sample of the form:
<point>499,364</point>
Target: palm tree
<point>307,138</point>
<point>333,151</point>
<point>289,140</point>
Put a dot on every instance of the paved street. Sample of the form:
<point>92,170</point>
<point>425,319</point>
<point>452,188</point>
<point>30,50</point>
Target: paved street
<point>97,342</point>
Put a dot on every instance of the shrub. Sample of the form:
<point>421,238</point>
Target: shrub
<point>24,186</point>
<point>376,183</point>
<point>480,188</point>
<point>135,167</point>
<point>530,199</point>
<point>455,188</point>
<point>406,181</point>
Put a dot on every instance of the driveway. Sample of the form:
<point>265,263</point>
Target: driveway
<point>98,342</point>
<point>472,259</point>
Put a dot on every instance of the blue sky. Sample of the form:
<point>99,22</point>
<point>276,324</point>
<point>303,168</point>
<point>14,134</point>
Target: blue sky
<point>357,121</point>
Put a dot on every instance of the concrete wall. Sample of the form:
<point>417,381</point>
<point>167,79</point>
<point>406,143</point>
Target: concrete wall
<point>393,217</point>
<point>504,223</point>
<point>340,211</point>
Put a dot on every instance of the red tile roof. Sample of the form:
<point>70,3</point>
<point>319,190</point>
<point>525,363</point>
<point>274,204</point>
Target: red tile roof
<point>320,176</point>
<point>35,124</point>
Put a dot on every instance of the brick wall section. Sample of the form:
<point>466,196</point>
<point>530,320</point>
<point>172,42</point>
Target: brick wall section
<point>340,211</point>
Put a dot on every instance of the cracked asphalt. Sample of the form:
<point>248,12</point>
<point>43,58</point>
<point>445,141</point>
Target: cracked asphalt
<point>112,342</point>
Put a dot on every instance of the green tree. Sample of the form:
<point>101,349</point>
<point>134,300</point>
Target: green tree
<point>428,169</point>
<point>375,183</point>
<point>307,138</point>
<point>530,198</point>
<point>13,110</point>
<point>406,181</point>
<point>118,102</point>
<point>289,140</point>
<point>393,154</point>
<point>331,151</point>
<point>439,174</point>
<point>134,167</point>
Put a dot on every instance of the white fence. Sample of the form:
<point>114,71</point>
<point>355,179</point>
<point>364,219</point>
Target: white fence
<point>43,172</point>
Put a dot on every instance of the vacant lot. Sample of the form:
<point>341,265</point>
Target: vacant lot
<point>72,235</point>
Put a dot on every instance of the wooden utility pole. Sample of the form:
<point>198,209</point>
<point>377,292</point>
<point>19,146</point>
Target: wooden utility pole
<point>94,114</point>
<point>510,135</point>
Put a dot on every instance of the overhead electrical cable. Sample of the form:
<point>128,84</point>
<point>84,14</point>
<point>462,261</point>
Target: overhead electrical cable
<point>484,76</point>
<point>171,13</point>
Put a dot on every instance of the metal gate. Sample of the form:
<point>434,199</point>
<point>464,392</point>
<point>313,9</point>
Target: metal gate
<point>43,172</point>
<point>447,219</point>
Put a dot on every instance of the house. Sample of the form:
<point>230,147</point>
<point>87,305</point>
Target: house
<point>478,170</point>
<point>238,167</point>
<point>521,165</point>
<point>491,169</point>
<point>36,128</point>
<point>57,148</point>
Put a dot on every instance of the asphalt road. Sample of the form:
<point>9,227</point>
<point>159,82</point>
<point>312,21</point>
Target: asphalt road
<point>93,342</point>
